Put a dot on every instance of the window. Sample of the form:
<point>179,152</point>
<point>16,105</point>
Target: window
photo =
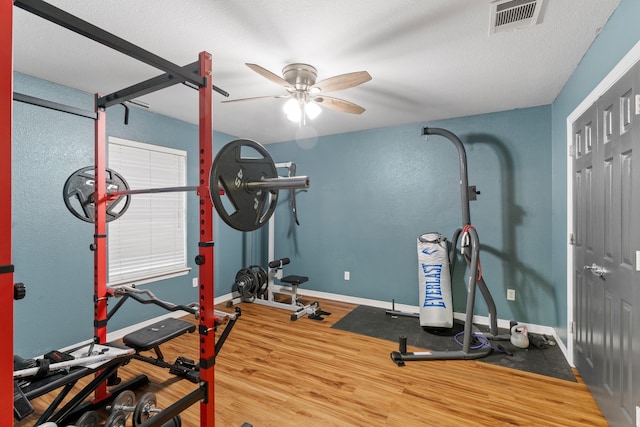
<point>148,242</point>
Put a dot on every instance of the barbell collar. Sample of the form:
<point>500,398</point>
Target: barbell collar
<point>281,183</point>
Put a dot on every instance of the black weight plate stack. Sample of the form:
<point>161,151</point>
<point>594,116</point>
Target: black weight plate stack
<point>246,283</point>
<point>262,277</point>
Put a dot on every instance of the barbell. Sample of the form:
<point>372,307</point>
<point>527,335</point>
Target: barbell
<point>242,171</point>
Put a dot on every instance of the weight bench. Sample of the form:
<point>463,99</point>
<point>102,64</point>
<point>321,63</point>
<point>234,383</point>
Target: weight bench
<point>152,336</point>
<point>289,286</point>
<point>294,280</point>
<point>312,310</point>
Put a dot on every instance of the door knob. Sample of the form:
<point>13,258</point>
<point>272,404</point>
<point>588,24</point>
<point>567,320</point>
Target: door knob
<point>596,269</point>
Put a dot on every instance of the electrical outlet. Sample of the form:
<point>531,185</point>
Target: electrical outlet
<point>347,275</point>
<point>194,282</point>
<point>511,294</point>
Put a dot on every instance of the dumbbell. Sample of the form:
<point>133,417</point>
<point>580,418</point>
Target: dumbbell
<point>121,409</point>
<point>125,404</point>
<point>147,408</point>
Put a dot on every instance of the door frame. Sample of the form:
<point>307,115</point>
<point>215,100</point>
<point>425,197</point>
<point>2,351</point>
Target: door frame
<point>626,63</point>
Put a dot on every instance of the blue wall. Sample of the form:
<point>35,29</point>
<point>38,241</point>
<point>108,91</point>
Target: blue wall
<point>373,193</point>
<point>617,37</point>
<point>51,246</point>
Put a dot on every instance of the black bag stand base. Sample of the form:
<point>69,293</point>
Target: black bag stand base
<point>401,356</point>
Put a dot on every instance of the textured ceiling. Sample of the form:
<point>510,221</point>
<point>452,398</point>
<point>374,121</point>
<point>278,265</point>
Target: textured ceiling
<point>429,59</point>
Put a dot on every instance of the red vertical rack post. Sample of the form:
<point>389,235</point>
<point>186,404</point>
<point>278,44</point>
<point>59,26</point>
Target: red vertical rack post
<point>100,237</point>
<point>6,267</point>
<point>205,246</point>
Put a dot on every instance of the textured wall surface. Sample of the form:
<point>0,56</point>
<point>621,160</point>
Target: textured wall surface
<point>373,193</point>
<point>51,246</point>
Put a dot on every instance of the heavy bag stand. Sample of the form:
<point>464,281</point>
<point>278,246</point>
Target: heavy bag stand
<point>471,253</point>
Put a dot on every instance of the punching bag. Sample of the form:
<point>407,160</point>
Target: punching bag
<point>434,282</point>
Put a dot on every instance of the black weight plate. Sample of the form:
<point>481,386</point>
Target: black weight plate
<point>247,283</point>
<point>173,422</point>
<point>243,283</point>
<point>88,419</point>
<point>237,163</point>
<point>261,273</point>
<point>116,419</point>
<point>263,279</point>
<point>144,408</point>
<point>78,194</point>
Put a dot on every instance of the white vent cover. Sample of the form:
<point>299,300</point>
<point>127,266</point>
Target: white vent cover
<point>507,15</point>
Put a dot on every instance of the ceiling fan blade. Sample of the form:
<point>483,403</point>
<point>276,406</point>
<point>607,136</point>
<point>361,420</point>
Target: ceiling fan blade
<point>339,104</point>
<point>343,81</point>
<point>255,97</point>
<point>269,75</point>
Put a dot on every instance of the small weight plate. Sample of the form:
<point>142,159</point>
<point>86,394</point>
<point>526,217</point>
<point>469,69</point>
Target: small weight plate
<point>116,419</point>
<point>236,164</point>
<point>174,422</point>
<point>125,399</point>
<point>88,419</point>
<point>79,189</point>
<point>143,409</point>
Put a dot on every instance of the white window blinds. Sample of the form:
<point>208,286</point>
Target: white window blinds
<point>149,241</point>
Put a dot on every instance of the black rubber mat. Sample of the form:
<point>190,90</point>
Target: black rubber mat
<point>373,322</point>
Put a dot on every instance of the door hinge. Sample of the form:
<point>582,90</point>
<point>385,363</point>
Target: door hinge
<point>572,241</point>
<point>572,151</point>
<point>572,327</point>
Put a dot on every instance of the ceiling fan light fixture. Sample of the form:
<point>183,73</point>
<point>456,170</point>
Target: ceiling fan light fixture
<point>294,110</point>
<point>312,110</point>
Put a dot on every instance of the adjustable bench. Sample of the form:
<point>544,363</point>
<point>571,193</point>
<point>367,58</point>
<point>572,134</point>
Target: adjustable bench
<point>152,336</point>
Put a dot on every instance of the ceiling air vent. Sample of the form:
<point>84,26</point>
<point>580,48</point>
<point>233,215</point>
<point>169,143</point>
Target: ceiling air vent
<point>507,15</point>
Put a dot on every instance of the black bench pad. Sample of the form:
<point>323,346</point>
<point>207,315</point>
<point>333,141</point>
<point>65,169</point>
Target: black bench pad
<point>158,333</point>
<point>294,280</point>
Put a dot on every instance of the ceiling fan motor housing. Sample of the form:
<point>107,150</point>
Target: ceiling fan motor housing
<point>300,76</point>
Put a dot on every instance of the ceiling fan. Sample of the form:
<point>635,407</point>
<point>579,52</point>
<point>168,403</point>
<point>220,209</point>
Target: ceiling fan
<point>299,80</point>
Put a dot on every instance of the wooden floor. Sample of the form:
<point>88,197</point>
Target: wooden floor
<point>272,372</point>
